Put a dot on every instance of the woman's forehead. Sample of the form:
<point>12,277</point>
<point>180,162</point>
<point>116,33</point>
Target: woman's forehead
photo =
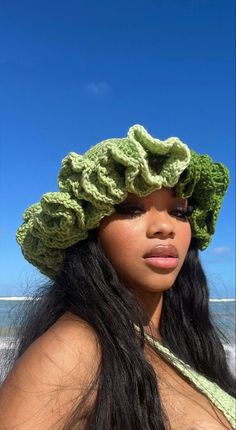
<point>167,191</point>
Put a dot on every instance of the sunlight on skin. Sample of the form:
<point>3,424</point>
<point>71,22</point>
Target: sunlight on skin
<point>138,225</point>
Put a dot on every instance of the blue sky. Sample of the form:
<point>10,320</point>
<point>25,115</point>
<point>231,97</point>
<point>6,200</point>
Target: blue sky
<point>73,73</point>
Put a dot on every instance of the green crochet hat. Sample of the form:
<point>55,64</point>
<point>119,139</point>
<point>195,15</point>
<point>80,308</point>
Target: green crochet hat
<point>91,184</point>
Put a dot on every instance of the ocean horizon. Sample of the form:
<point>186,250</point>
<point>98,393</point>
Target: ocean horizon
<point>222,310</point>
<point>212,299</point>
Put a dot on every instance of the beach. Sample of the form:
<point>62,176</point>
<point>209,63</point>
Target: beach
<point>223,311</point>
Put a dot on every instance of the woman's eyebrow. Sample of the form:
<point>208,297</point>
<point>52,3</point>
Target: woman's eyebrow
<point>180,200</point>
<point>131,199</point>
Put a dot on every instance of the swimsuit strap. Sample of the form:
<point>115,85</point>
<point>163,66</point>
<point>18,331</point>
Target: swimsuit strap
<point>216,395</point>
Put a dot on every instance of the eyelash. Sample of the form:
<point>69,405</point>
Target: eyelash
<point>133,210</point>
<point>183,213</point>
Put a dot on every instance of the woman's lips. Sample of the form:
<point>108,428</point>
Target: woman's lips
<point>162,256</point>
<point>162,262</point>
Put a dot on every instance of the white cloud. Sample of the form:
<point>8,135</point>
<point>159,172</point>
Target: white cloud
<point>98,88</point>
<point>221,250</point>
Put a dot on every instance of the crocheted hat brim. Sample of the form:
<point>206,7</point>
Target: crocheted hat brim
<point>91,184</point>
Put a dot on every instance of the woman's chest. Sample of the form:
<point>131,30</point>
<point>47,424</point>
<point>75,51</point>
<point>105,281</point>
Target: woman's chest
<point>186,407</point>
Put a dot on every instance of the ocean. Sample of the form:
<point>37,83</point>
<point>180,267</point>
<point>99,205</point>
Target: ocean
<point>222,309</point>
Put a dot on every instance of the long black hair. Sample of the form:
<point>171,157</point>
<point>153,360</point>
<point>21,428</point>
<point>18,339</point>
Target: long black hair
<point>127,386</point>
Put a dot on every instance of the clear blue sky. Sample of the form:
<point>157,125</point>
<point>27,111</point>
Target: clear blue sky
<point>75,72</point>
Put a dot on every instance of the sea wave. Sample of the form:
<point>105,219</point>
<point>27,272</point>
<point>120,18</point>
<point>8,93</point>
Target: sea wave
<point>231,357</point>
<point>22,298</point>
<point>5,343</point>
<point>12,298</point>
<point>222,300</point>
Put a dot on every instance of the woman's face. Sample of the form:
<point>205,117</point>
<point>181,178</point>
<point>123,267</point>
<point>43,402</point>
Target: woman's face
<point>147,240</point>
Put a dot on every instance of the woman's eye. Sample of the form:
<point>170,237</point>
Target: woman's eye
<point>129,209</point>
<point>182,212</point>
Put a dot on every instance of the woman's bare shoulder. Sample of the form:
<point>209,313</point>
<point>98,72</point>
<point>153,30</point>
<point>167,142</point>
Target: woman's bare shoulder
<point>54,371</point>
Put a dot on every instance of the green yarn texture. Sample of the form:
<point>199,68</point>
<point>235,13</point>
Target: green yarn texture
<point>91,184</point>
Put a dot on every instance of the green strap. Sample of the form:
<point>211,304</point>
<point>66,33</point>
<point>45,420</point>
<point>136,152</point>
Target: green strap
<point>222,400</point>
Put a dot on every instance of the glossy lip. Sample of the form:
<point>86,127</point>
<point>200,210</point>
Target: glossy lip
<point>162,256</point>
<point>163,251</point>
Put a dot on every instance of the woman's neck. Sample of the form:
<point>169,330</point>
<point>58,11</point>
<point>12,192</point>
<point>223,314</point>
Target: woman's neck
<point>152,303</point>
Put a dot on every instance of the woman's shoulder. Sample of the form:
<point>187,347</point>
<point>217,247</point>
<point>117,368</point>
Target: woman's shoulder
<point>72,333</point>
<point>69,347</point>
<point>72,344</point>
<point>54,371</point>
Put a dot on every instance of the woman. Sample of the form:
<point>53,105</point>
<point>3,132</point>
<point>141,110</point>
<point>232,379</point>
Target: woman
<point>121,337</point>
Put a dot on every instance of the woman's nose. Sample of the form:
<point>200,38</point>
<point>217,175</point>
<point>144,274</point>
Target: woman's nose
<point>160,223</point>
